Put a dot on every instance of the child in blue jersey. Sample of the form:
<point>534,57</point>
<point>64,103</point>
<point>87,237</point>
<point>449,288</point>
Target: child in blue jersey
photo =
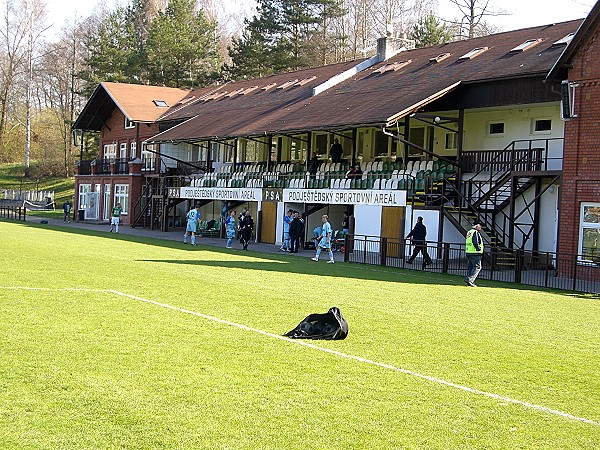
<point>193,218</point>
<point>325,242</point>
<point>287,220</point>
<point>230,228</point>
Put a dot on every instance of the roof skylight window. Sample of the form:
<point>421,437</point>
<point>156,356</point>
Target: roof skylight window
<point>269,86</point>
<point>564,41</point>
<point>439,58</point>
<point>473,53</point>
<point>288,84</point>
<point>161,103</point>
<point>248,90</point>
<point>392,67</point>
<point>526,45</point>
<point>305,80</point>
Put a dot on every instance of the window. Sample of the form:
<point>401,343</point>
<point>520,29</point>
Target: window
<point>321,146</point>
<point>83,189</point>
<point>496,128</point>
<point>110,151</point>
<point>161,103</point>
<point>122,196</point>
<point>148,157</point>
<point>123,150</point>
<point>381,143</point>
<point>542,126</point>
<point>526,45</point>
<point>129,123</point>
<point>451,141</point>
<point>133,150</point>
<point>439,58</point>
<point>106,203</point>
<point>589,232</point>
<point>473,53</point>
<point>568,38</point>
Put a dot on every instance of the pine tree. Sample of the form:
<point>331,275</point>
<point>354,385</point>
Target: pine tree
<point>430,31</point>
<point>182,46</point>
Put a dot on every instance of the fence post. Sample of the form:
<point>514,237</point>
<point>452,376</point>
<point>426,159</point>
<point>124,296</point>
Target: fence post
<point>445,257</point>
<point>519,266</point>
<point>346,248</point>
<point>383,251</point>
<point>365,251</point>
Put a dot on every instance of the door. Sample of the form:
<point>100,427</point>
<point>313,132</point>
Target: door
<point>392,227</point>
<point>268,222</point>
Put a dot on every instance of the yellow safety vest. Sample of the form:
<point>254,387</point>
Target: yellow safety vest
<point>470,247</point>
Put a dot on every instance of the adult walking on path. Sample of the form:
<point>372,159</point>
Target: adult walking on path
<point>246,227</point>
<point>474,252</point>
<point>66,212</point>
<point>230,228</point>
<point>419,240</point>
<point>296,232</point>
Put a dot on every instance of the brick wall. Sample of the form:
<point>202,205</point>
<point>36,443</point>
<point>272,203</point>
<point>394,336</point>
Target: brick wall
<point>115,132</point>
<point>581,169</point>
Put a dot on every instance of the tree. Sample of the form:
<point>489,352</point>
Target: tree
<point>472,13</point>
<point>285,35</point>
<point>113,53</point>
<point>430,31</point>
<point>182,46</point>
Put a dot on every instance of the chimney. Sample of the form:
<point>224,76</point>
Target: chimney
<point>389,46</point>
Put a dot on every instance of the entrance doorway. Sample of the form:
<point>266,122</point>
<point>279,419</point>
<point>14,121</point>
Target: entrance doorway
<point>268,222</point>
<point>392,227</point>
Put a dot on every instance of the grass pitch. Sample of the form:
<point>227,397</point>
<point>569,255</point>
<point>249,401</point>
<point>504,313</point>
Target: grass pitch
<point>88,361</point>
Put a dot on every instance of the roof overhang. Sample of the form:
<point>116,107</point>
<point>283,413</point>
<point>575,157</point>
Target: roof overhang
<point>413,108</point>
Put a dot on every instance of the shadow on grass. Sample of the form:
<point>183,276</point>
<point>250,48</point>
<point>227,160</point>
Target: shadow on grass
<point>284,264</point>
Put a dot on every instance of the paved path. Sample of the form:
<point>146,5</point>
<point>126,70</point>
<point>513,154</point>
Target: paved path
<point>178,236</point>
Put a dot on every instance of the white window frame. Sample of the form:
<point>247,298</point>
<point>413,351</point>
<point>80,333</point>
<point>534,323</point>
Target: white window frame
<point>106,203</point>
<point>133,150</point>
<point>538,119</point>
<point>121,195</point>
<point>110,151</point>
<point>129,124</point>
<point>587,225</point>
<point>148,158</point>
<point>123,150</point>
<point>83,189</point>
<point>451,141</point>
<point>495,122</point>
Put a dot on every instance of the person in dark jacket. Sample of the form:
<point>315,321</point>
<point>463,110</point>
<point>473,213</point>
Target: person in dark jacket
<point>246,227</point>
<point>313,166</point>
<point>336,151</point>
<point>419,236</point>
<point>296,232</point>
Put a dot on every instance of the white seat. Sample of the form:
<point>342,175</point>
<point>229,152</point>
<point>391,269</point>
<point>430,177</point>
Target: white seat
<point>429,165</point>
<point>393,184</point>
<point>379,166</point>
<point>409,167</point>
<point>377,184</point>
<point>395,174</point>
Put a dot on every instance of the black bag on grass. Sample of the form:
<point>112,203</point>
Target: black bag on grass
<point>330,325</point>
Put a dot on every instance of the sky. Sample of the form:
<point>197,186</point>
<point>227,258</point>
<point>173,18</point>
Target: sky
<point>523,13</point>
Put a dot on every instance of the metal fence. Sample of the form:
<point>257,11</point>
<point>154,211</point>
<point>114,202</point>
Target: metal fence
<point>12,212</point>
<point>543,269</point>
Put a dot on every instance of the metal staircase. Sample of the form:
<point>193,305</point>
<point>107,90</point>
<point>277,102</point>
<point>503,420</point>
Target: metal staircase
<point>504,193</point>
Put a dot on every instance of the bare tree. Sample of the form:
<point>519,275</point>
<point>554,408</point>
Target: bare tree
<point>13,33</point>
<point>35,14</point>
<point>472,12</point>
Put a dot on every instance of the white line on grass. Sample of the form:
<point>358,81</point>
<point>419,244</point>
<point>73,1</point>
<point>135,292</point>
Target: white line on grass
<point>326,350</point>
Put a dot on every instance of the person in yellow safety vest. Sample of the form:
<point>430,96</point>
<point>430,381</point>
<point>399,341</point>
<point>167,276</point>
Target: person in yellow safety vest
<point>474,251</point>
